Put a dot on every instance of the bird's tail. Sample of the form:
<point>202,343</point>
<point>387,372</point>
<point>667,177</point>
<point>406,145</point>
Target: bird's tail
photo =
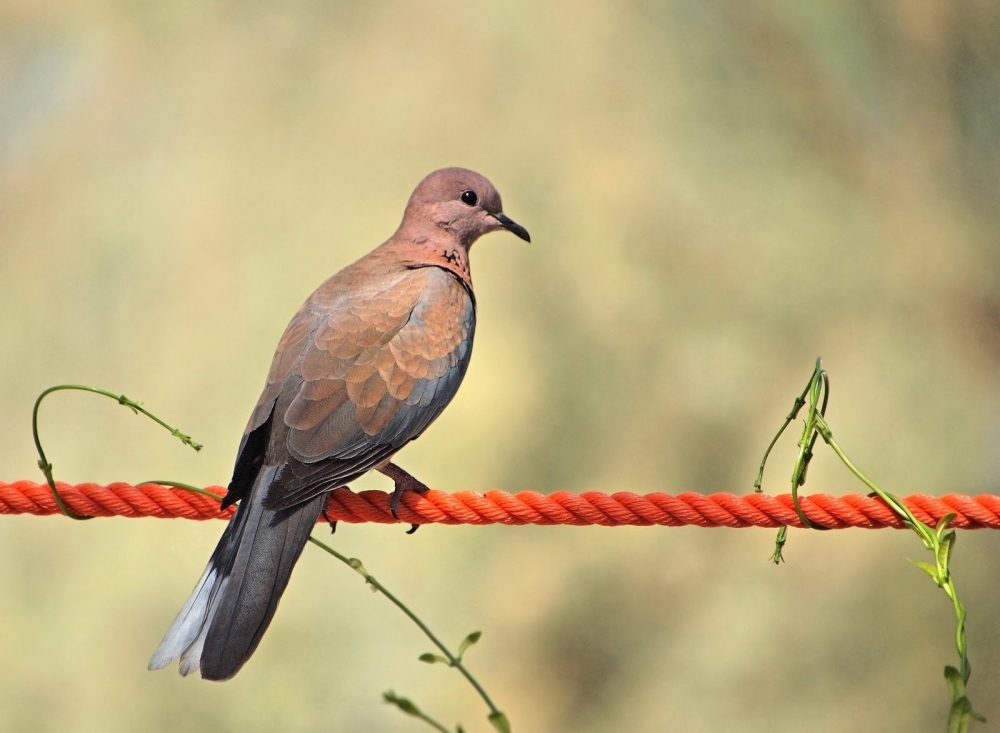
<point>231,606</point>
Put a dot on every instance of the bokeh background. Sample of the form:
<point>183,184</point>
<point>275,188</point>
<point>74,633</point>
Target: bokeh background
<point>718,192</point>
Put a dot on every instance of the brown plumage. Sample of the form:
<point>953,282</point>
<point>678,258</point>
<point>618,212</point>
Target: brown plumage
<point>368,362</point>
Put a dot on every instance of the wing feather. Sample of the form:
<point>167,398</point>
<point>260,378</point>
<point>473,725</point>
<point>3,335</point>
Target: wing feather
<point>359,374</point>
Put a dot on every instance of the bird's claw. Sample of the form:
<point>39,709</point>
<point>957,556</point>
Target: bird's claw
<point>394,500</point>
<point>397,494</point>
<point>331,522</point>
<point>402,482</point>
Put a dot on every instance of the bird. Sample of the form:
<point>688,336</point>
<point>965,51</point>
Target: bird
<point>364,367</point>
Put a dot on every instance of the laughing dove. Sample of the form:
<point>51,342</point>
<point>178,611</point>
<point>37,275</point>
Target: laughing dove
<point>370,360</point>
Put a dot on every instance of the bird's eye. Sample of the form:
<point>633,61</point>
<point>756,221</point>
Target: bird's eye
<point>469,198</point>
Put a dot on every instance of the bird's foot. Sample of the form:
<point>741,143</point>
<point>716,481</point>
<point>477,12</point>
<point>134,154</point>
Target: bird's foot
<point>403,482</point>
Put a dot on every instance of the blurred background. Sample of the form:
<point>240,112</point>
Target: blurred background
<point>718,192</point>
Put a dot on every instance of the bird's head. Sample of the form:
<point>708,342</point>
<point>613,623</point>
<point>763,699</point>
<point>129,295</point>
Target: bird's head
<point>460,202</point>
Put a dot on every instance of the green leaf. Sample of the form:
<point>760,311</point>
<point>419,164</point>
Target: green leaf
<point>944,522</point>
<point>402,703</point>
<point>779,545</point>
<point>944,550</point>
<point>927,568</point>
<point>955,682</point>
<point>459,729</point>
<point>468,641</point>
<point>500,722</point>
<point>432,658</point>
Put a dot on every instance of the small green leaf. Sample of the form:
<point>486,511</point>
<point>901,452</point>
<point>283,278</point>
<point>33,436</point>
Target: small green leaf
<point>943,553</point>
<point>432,658</point>
<point>459,729</point>
<point>955,683</point>
<point>404,704</point>
<point>468,641</point>
<point>500,722</point>
<point>779,545</point>
<point>927,568</point>
<point>360,569</point>
<point>943,523</point>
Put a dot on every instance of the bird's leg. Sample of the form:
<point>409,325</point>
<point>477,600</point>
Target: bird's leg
<point>403,482</point>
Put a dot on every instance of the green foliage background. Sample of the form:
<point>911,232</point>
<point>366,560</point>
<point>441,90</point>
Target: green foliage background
<point>717,191</point>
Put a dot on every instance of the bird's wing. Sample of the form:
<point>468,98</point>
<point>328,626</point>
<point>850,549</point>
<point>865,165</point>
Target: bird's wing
<point>355,379</point>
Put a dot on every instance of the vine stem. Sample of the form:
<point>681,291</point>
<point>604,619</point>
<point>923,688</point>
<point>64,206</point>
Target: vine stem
<point>939,540</point>
<point>453,661</point>
<point>930,538</point>
<point>121,399</point>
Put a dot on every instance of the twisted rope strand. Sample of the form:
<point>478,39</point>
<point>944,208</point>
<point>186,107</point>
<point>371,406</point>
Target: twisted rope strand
<point>525,507</point>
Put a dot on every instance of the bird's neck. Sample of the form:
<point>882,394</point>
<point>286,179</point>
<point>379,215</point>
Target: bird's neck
<point>433,249</point>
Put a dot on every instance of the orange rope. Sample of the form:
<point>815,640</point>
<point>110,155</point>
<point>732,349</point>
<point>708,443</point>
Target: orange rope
<point>526,507</point>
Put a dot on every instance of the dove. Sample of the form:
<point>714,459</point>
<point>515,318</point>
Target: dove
<point>365,366</point>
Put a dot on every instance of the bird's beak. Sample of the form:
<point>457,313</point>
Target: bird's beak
<point>512,226</point>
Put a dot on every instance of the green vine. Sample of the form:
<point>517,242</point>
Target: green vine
<point>121,399</point>
<point>939,540</point>
<point>496,718</point>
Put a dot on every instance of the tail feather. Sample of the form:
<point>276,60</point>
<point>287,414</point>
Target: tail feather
<point>188,623</point>
<point>262,567</point>
<point>223,621</point>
